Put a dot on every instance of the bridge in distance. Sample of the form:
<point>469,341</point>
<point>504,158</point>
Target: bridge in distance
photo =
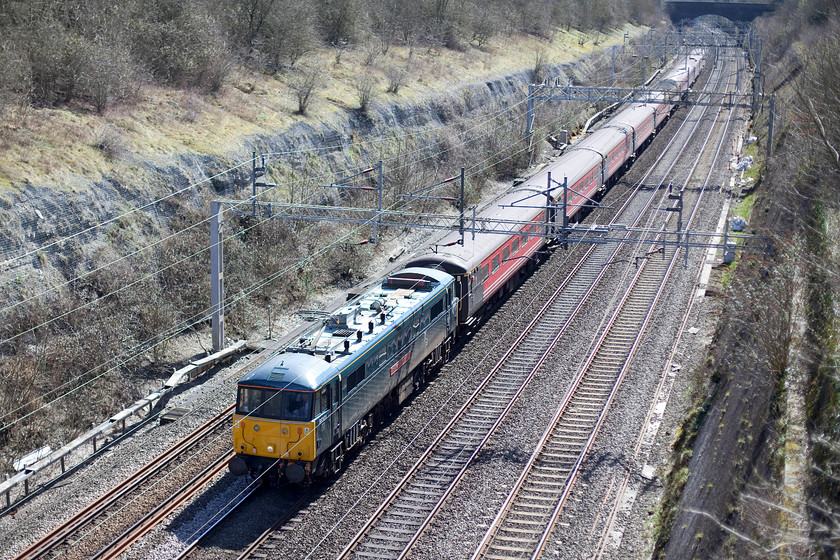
<point>734,10</point>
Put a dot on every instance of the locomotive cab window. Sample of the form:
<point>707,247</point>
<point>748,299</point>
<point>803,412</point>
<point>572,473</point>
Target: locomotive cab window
<point>437,309</point>
<point>273,405</point>
<point>297,406</point>
<point>249,400</point>
<point>264,403</point>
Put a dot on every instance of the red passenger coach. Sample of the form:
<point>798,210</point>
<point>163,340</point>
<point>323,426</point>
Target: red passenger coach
<point>484,266</point>
<point>487,265</point>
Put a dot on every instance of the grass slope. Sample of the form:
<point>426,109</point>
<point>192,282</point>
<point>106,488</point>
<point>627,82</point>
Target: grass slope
<point>67,147</point>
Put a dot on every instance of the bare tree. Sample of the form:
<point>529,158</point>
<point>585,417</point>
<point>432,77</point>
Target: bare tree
<point>290,34</point>
<point>484,25</point>
<point>252,16</point>
<point>339,20</point>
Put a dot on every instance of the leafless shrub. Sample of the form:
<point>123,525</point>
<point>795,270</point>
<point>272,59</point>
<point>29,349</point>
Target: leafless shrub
<point>110,142</point>
<point>365,86</point>
<point>109,76</point>
<point>506,148</point>
<point>305,84</point>
<point>371,53</point>
<point>340,49</point>
<point>538,74</point>
<point>344,264</point>
<point>194,56</point>
<point>396,77</point>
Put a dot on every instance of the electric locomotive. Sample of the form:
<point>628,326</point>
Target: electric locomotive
<point>300,412</point>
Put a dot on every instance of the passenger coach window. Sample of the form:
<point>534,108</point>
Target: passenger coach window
<point>505,253</point>
<point>515,246</point>
<point>297,405</point>
<point>495,263</point>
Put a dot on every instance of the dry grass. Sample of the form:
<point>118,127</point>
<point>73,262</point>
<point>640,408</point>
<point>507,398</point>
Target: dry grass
<point>59,146</point>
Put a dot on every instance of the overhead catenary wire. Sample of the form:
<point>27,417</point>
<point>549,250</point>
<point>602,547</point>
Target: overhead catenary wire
<point>167,238</point>
<point>233,168</point>
<point>195,320</point>
<point>382,472</point>
<point>418,434</point>
<point>174,331</point>
<point>203,181</point>
<point>152,203</point>
<point>475,125</point>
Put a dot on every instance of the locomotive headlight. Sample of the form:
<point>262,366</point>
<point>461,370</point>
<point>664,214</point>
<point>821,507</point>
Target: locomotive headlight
<point>270,449</point>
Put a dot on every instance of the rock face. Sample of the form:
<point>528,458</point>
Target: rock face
<point>62,223</point>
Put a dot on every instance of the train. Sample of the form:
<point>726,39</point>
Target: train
<point>299,413</point>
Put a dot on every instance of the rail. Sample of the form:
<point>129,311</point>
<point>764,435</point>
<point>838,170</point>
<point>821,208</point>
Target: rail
<point>118,421</point>
<point>60,536</point>
<point>526,520</point>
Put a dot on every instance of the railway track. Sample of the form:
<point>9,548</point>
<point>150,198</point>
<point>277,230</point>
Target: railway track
<point>193,548</point>
<point>523,526</point>
<point>398,523</point>
<point>405,513</point>
<point>124,510</point>
<point>610,535</point>
<point>169,505</point>
<point>526,520</point>
<point>271,538</point>
<point>396,526</point>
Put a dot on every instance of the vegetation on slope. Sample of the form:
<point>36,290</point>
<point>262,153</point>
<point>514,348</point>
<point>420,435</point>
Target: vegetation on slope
<point>747,509</point>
